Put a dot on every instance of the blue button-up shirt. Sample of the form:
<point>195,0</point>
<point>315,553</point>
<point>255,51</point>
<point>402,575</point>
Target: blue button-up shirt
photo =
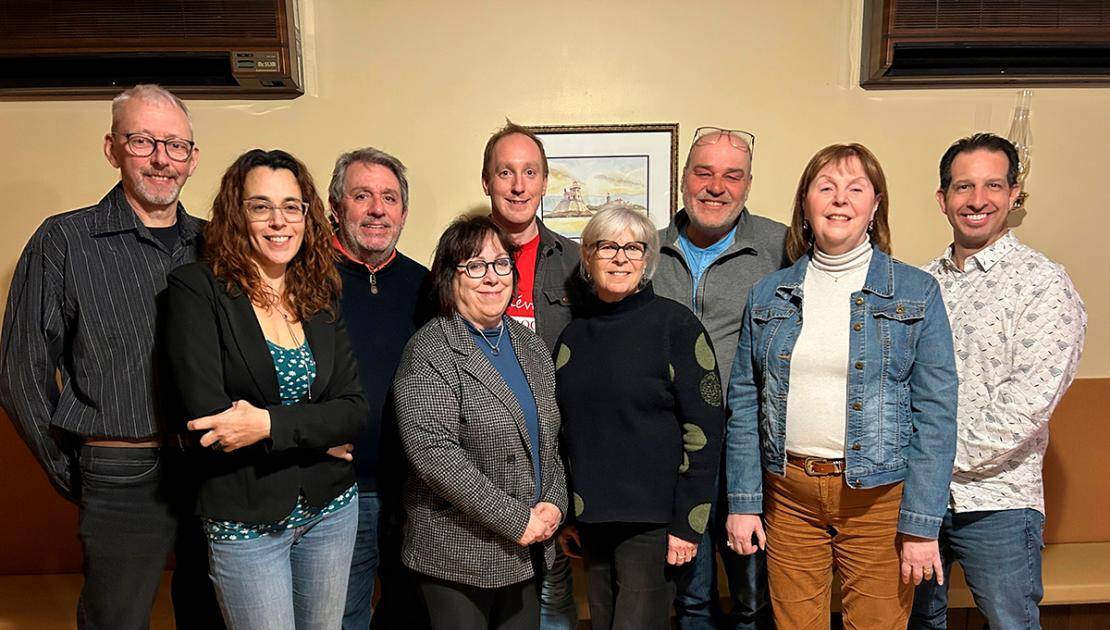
<point>901,405</point>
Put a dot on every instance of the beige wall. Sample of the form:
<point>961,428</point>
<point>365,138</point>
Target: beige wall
<point>429,80</point>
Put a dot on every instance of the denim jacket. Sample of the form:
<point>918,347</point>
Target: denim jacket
<point>901,406</point>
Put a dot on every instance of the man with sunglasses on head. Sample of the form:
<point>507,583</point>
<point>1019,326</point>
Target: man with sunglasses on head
<point>82,313</point>
<point>382,304</point>
<point>514,176</point>
<point>711,254</point>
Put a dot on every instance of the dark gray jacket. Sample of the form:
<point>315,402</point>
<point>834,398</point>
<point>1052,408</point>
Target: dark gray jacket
<point>757,250</point>
<point>557,286</point>
<point>468,497</point>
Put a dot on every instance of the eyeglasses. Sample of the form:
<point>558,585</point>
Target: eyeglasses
<point>607,250</point>
<point>143,145</point>
<point>477,268</point>
<point>260,210</point>
<point>741,140</point>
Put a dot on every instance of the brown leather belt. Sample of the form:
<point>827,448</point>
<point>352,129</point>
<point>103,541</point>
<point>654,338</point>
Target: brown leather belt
<point>817,466</point>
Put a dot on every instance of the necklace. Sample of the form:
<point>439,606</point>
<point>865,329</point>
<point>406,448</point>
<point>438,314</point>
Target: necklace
<point>300,346</point>
<point>495,348</point>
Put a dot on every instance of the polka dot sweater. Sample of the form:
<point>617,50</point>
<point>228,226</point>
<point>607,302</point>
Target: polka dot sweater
<point>643,418</point>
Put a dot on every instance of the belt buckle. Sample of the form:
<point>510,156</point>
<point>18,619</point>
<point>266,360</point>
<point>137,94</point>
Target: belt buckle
<point>811,462</point>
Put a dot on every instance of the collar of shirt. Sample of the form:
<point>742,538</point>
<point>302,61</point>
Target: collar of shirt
<point>986,257</point>
<point>346,254</point>
<point>117,216</point>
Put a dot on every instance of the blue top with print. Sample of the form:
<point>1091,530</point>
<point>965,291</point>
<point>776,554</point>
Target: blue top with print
<point>700,258</point>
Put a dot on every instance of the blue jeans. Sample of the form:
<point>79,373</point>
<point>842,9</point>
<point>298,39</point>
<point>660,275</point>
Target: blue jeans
<point>293,580</point>
<point>558,610</point>
<point>364,564</point>
<point>1000,552</point>
<point>696,601</point>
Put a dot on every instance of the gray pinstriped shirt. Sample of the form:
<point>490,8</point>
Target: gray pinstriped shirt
<point>82,304</point>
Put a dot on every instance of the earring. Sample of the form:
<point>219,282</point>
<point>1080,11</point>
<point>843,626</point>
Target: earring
<point>871,225</point>
<point>805,225</point>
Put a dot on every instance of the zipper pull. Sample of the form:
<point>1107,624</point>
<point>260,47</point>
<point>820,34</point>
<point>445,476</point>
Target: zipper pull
<point>373,283</point>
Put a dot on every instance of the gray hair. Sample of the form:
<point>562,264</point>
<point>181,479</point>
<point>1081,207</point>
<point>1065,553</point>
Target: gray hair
<point>148,93</point>
<point>365,155</point>
<point>609,223</point>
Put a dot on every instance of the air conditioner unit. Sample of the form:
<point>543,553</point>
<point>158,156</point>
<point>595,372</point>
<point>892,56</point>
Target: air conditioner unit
<point>89,49</point>
<point>983,43</point>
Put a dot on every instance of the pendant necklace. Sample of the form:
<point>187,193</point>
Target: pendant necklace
<point>495,348</point>
<point>299,344</point>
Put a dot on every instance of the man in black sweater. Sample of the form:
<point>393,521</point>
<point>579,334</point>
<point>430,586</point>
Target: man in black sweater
<point>369,198</point>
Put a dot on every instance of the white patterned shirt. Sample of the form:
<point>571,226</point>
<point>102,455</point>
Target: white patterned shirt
<point>1017,326</point>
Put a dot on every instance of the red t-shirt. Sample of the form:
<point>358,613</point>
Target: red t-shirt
<point>522,307</point>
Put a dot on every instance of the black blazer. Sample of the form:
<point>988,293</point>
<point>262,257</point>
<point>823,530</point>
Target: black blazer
<point>216,353</point>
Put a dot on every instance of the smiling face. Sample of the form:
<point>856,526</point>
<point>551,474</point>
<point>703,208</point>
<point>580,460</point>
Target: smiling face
<point>618,277</point>
<point>152,183</point>
<point>274,241</point>
<point>715,187</point>
<point>839,204</point>
<point>482,301</point>
<point>978,200</point>
<point>515,182</point>
<point>373,213</point>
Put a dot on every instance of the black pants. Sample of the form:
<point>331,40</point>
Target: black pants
<point>455,606</point>
<point>128,525</point>
<point>630,585</point>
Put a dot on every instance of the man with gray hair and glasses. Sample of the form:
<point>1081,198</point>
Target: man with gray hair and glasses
<point>712,253</point>
<point>381,303</point>
<point>81,314</point>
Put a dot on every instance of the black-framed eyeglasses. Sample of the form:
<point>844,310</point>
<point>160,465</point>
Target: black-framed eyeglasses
<point>477,268</point>
<point>607,250</point>
<point>742,140</point>
<point>262,210</point>
<point>144,145</point>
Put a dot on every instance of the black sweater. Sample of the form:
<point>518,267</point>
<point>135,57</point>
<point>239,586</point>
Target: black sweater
<point>382,311</point>
<point>642,416</point>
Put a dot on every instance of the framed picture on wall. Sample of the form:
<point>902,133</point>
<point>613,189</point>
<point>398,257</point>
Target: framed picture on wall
<point>598,166</point>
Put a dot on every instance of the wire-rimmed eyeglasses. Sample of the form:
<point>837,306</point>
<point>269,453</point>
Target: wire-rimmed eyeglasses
<point>261,210</point>
<point>742,140</point>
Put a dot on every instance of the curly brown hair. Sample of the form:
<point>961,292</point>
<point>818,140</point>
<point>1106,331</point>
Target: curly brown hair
<point>311,280</point>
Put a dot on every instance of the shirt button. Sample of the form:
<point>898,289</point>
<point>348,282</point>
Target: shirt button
<point>859,301</point>
<point>857,326</point>
<point>857,406</point>
<point>859,365</point>
<point>564,300</point>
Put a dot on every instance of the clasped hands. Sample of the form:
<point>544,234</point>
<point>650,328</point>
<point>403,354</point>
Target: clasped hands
<point>542,523</point>
<point>243,424</point>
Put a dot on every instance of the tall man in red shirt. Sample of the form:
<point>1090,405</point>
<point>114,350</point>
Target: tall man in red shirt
<point>514,175</point>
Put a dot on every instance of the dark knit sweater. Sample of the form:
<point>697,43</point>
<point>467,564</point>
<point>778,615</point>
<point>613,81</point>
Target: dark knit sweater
<point>643,422</point>
<point>381,312</point>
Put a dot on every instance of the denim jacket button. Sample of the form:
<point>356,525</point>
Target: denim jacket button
<point>859,365</point>
<point>857,406</point>
<point>857,326</point>
<point>856,446</point>
<point>859,301</point>
<point>901,309</point>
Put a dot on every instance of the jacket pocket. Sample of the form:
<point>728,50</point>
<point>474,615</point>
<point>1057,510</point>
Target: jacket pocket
<point>897,324</point>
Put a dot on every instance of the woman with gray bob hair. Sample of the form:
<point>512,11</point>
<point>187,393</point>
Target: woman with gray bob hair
<point>640,395</point>
<point>611,222</point>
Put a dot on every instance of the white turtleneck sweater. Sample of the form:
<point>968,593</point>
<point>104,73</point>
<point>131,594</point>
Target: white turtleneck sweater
<point>817,403</point>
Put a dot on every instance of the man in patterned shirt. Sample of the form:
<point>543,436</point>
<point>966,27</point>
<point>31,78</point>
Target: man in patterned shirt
<point>1017,325</point>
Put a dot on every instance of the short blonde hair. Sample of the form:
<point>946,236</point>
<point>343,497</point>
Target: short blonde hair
<point>609,223</point>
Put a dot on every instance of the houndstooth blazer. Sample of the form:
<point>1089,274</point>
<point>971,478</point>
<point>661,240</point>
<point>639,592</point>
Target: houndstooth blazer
<point>468,495</point>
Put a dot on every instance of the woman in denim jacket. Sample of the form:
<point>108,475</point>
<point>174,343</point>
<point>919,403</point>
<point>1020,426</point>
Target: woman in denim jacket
<point>842,426</point>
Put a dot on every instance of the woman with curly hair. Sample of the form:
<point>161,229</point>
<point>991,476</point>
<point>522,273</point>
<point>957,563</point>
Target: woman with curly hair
<point>268,385</point>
